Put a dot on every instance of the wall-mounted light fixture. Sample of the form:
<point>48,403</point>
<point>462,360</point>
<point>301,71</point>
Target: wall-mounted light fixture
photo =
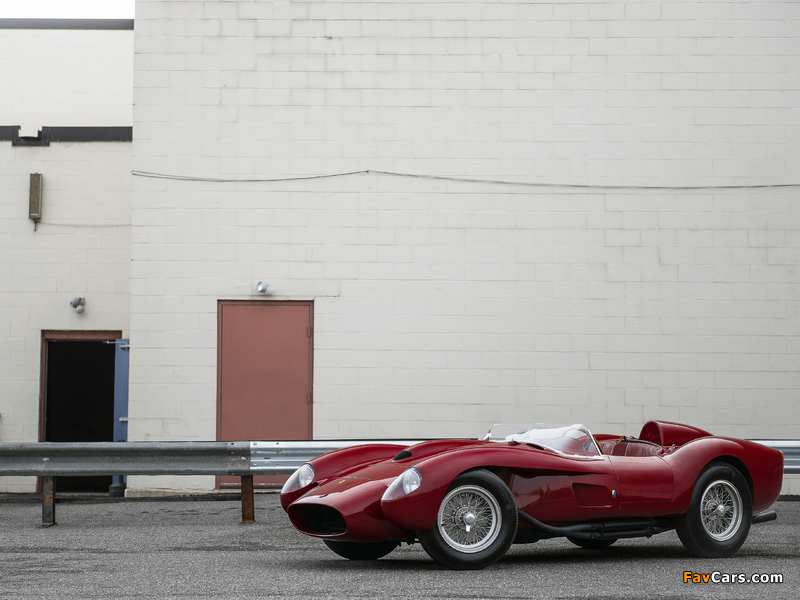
<point>265,288</point>
<point>35,199</point>
<point>78,304</point>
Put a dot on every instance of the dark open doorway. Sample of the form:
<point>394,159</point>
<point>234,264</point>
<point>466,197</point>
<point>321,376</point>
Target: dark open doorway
<point>78,396</point>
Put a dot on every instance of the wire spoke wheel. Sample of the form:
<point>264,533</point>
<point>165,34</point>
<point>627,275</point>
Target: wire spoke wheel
<point>469,519</point>
<point>721,510</point>
<point>476,522</point>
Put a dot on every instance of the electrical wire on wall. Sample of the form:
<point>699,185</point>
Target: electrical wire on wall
<point>430,177</point>
<point>90,225</point>
<point>466,180</point>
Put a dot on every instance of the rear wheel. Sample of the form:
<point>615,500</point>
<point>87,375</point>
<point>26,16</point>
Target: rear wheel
<point>362,551</point>
<point>476,523</point>
<point>719,516</point>
<point>591,544</point>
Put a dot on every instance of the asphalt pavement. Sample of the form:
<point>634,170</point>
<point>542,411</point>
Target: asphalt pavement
<point>200,549</point>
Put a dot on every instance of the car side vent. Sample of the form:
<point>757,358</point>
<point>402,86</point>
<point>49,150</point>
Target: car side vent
<point>403,455</point>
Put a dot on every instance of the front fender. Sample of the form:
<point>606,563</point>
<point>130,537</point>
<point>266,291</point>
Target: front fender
<point>417,511</point>
<point>341,463</point>
<point>357,502</point>
<point>344,461</point>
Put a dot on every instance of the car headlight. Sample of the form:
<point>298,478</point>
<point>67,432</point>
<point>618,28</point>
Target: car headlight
<point>299,479</point>
<point>405,483</point>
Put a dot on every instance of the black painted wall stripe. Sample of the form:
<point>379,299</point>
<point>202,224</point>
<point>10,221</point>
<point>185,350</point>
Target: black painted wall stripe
<point>73,134</point>
<point>91,134</point>
<point>122,24</point>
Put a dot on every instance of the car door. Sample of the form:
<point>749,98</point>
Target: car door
<point>643,480</point>
<point>570,490</point>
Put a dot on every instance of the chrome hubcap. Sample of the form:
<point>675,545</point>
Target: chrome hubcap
<point>721,510</point>
<point>469,519</point>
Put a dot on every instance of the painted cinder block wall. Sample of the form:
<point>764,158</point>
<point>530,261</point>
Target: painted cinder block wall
<point>82,244</point>
<point>442,306</point>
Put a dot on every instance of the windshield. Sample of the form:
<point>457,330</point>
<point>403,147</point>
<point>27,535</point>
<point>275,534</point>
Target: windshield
<point>573,440</point>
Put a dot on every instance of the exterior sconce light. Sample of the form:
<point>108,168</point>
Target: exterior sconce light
<point>78,304</point>
<point>265,288</point>
<point>35,202</point>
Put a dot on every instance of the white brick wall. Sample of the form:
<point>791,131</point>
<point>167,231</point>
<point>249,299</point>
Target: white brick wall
<point>440,306</point>
<point>65,78</point>
<point>82,246</point>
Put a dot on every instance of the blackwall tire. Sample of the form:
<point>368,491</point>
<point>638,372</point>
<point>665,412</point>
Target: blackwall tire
<point>362,551</point>
<point>719,516</point>
<point>475,525</point>
<point>591,544</point>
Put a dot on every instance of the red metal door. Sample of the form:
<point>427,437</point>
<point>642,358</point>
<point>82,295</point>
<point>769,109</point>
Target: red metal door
<point>264,374</point>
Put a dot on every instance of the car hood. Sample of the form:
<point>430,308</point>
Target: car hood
<point>408,457</point>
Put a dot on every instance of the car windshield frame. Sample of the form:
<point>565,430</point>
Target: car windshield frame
<point>574,441</point>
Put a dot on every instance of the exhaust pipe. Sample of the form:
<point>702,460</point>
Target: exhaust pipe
<point>604,530</point>
<point>624,528</point>
<point>764,516</point>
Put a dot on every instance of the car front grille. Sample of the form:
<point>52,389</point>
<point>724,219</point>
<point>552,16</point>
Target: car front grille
<point>319,519</point>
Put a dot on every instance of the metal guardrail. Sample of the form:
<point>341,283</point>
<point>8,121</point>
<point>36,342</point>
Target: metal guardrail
<point>243,459</point>
<point>207,458</point>
<point>49,459</point>
<point>284,458</point>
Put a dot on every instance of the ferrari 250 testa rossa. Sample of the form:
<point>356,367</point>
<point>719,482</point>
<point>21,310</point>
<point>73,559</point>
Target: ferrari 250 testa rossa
<point>467,501</point>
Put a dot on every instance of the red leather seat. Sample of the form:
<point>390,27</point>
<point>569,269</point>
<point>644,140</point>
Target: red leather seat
<point>640,449</point>
<point>631,448</point>
<point>607,447</point>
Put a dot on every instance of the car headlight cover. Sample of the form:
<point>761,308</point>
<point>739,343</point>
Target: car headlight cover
<point>411,480</point>
<point>405,483</point>
<point>299,479</point>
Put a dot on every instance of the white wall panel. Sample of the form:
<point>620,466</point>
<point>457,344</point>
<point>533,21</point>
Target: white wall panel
<point>441,306</point>
<point>82,244</point>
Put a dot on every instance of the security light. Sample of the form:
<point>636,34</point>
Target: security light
<point>78,304</point>
<point>265,288</point>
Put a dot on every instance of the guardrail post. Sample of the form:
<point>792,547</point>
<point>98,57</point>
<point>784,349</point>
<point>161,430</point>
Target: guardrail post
<point>248,500</point>
<point>48,501</point>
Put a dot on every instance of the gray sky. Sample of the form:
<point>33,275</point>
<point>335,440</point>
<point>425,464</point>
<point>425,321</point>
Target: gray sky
<point>68,9</point>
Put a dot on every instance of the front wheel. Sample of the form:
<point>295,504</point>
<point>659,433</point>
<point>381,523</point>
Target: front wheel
<point>476,523</point>
<point>719,515</point>
<point>362,551</point>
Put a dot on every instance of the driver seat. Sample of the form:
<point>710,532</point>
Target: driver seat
<point>638,448</point>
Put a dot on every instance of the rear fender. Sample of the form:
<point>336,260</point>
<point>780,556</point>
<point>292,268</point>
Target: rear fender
<point>761,466</point>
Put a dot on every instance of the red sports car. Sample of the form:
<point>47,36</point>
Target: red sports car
<point>467,501</point>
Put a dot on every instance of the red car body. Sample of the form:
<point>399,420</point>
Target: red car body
<point>653,477</point>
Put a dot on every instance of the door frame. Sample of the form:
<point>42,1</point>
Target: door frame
<point>65,336</point>
<point>310,305</point>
